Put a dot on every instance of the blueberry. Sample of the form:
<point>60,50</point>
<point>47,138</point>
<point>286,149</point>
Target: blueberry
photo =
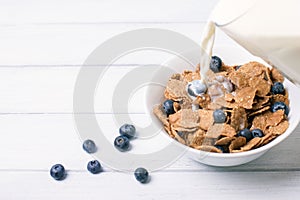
<point>219,116</point>
<point>196,87</point>
<point>245,133</point>
<point>237,67</point>
<point>280,106</point>
<point>94,167</point>
<point>181,134</point>
<point>257,133</point>
<point>121,143</point>
<point>221,148</point>
<point>141,175</point>
<point>57,171</point>
<point>277,88</point>
<point>127,130</point>
<point>168,107</point>
<point>228,86</point>
<point>89,146</point>
<point>215,64</point>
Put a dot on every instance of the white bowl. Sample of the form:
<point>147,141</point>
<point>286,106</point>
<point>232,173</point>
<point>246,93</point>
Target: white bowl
<point>233,56</point>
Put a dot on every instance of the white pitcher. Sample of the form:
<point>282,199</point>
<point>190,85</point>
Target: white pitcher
<point>269,29</point>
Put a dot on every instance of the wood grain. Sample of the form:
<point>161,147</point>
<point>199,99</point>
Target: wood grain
<point>170,185</point>
<point>65,45</point>
<point>86,12</point>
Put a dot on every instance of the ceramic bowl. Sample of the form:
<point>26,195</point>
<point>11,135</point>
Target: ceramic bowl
<point>154,95</point>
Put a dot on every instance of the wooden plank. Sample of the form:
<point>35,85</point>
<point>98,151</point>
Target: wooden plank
<point>71,44</point>
<point>50,88</point>
<point>78,11</point>
<point>170,185</point>
<point>37,141</point>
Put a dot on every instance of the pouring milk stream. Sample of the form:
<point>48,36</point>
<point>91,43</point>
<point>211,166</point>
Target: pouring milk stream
<point>267,28</point>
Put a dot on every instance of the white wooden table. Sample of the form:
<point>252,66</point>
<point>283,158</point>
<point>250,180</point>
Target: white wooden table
<point>42,47</point>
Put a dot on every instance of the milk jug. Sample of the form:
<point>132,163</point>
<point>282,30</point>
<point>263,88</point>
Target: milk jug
<point>269,29</point>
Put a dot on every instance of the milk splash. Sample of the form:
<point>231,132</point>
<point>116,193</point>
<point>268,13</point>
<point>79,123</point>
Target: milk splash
<point>206,43</point>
